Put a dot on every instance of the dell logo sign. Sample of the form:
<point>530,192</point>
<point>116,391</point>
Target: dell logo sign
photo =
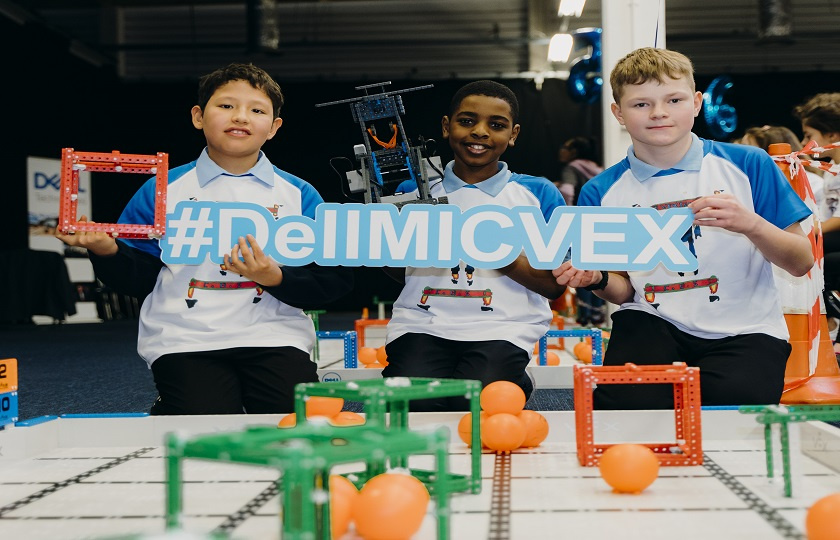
<point>44,181</point>
<point>331,376</point>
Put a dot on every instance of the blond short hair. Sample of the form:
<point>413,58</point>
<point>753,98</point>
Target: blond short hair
<point>648,63</point>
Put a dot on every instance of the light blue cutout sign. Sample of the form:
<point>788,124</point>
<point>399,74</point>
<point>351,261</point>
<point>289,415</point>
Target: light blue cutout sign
<point>438,236</point>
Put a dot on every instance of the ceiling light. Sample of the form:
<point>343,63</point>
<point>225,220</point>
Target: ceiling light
<point>571,7</point>
<point>560,47</point>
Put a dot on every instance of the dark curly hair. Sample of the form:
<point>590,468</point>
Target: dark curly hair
<point>486,88</point>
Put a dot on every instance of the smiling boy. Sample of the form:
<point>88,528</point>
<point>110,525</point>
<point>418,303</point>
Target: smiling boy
<point>233,338</point>
<point>468,323</point>
<point>726,317</point>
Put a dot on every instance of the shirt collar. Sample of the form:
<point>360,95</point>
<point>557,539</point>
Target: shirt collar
<point>208,170</point>
<point>492,186</point>
<point>691,161</point>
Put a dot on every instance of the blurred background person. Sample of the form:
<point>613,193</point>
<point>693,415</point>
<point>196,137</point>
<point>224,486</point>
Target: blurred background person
<point>580,159</point>
<point>827,196</point>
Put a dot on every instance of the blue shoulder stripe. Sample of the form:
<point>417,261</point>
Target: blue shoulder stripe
<point>593,191</point>
<point>141,208</point>
<point>773,197</point>
<point>546,192</point>
<point>309,196</point>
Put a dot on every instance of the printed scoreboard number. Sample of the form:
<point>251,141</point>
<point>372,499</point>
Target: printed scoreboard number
<point>8,408</point>
<point>8,375</point>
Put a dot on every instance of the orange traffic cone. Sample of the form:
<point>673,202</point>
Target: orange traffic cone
<point>805,381</point>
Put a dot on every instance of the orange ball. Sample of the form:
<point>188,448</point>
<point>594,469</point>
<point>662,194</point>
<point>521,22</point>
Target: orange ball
<point>347,418</point>
<point>552,359</point>
<point>822,521</point>
<point>629,468</point>
<point>382,356</point>
<point>391,507</point>
<point>503,432</point>
<point>343,499</point>
<point>323,406</point>
<point>288,421</point>
<point>502,397</point>
<point>465,426</point>
<point>583,352</point>
<point>536,428</point>
<point>367,355</point>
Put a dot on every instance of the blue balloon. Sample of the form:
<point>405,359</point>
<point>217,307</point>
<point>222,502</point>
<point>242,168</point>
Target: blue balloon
<point>721,117</point>
<point>585,80</point>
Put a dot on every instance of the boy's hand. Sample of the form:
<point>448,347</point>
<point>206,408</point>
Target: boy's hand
<point>254,265</point>
<point>568,275</point>
<point>98,243</point>
<point>723,210</point>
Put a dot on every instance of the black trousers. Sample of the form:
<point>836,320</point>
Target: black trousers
<point>255,380</point>
<point>421,355</point>
<point>740,370</point>
<point>831,271</point>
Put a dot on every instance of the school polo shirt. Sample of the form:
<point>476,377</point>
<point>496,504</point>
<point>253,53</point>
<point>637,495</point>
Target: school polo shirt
<point>733,291</point>
<point>203,307</point>
<point>473,304</point>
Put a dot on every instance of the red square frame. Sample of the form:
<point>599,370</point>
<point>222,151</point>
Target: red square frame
<point>114,162</point>
<point>687,410</point>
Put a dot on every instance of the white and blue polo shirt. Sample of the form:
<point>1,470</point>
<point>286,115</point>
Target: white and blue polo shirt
<point>203,307</point>
<point>733,291</point>
<point>473,304</point>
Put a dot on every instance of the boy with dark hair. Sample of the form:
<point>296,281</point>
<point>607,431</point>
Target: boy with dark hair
<point>726,318</point>
<point>243,342</point>
<point>484,324</point>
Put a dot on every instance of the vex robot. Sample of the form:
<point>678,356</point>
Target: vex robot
<point>389,166</point>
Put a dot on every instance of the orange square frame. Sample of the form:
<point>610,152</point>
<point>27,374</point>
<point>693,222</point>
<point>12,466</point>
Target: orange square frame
<point>72,162</point>
<point>686,451</point>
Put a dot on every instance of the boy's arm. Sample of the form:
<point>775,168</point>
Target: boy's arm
<point>312,286</point>
<point>788,249</point>
<point>395,273</point>
<point>540,281</point>
<point>120,267</point>
<point>618,289</point>
<point>128,271</point>
<point>303,287</point>
<point>831,224</point>
<point>98,243</point>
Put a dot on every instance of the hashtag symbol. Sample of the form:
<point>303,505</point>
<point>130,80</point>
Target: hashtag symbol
<point>190,232</point>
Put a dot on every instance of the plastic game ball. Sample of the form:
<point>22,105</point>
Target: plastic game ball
<point>367,355</point>
<point>290,420</point>
<point>629,468</point>
<point>503,432</point>
<point>343,499</point>
<point>823,519</point>
<point>502,397</point>
<point>465,427</point>
<point>583,352</point>
<point>552,359</point>
<point>536,428</point>
<point>391,506</point>
<point>382,356</point>
<point>323,406</point>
